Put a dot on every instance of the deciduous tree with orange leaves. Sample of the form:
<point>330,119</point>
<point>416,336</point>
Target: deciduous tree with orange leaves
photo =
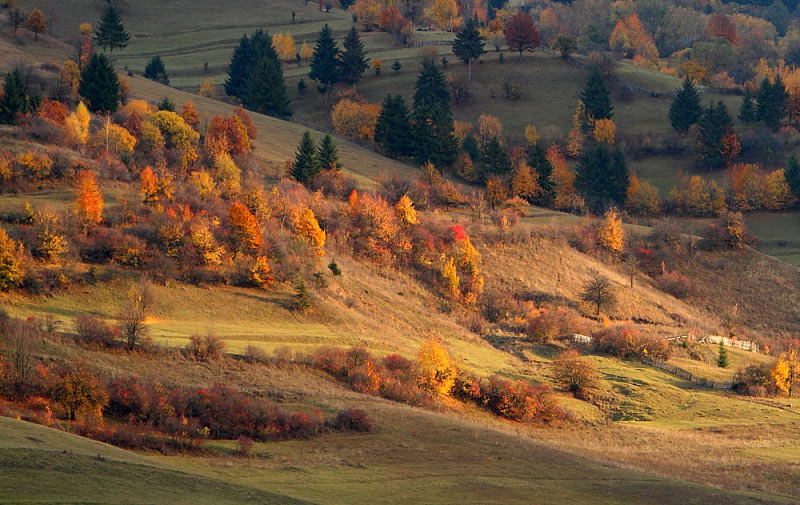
<point>88,200</point>
<point>305,224</point>
<point>245,234</point>
<point>36,23</point>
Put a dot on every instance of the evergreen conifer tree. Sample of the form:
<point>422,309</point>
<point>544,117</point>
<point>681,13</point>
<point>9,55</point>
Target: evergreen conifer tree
<point>722,356</point>
<point>155,70</point>
<point>353,63</point>
<point>713,125</point>
<point>470,146</point>
<point>305,166</point>
<point>325,61</point>
<point>686,108</point>
<point>328,154</point>
<point>538,161</point>
<point>111,33</point>
<point>602,177</point>
<point>396,66</point>
<point>99,85</point>
<point>771,102</point>
<point>747,111</point>
<point>392,130</point>
<point>241,61</point>
<point>15,97</point>
<point>469,44</point>
<point>265,89</point>
<point>595,96</point>
<point>433,138</point>
<point>495,159</point>
<point>792,175</point>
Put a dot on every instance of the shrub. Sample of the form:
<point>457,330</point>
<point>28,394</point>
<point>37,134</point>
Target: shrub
<point>128,400</point>
<point>551,324</point>
<point>520,401</point>
<point>573,372</point>
<point>625,342</point>
<point>244,445</point>
<point>353,420</point>
<point>91,330</point>
<point>676,284</point>
<point>753,380</point>
<point>255,354</point>
<point>206,348</point>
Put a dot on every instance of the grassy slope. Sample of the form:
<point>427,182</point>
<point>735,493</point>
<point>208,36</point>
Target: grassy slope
<point>42,465</point>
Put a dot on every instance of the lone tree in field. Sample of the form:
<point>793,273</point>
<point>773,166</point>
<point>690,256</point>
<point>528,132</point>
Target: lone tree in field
<point>602,177</point>
<point>155,70</point>
<point>393,128</point>
<point>595,96</point>
<point>99,85</point>
<point>433,138</point>
<point>134,312</point>
<point>305,166</point>
<point>328,154</point>
<point>469,44</point>
<point>255,76</point>
<point>352,62</point>
<point>599,292</point>
<point>36,23</point>
<point>325,61</point>
<point>722,356</point>
<point>15,98</point>
<point>573,372</point>
<point>111,33</point>
<point>520,33</point>
<point>792,175</point>
<point>686,108</point>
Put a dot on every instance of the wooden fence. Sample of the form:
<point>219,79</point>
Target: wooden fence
<point>686,375</point>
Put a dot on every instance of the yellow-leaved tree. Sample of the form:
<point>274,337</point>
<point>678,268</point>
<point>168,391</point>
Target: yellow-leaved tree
<point>305,224</point>
<point>436,371</point>
<point>77,125</point>
<point>12,261</point>
<point>609,233</point>
<point>406,211</point>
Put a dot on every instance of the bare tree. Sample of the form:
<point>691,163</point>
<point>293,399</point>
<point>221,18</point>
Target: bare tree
<point>16,18</point>
<point>134,312</point>
<point>599,292</point>
<point>19,341</point>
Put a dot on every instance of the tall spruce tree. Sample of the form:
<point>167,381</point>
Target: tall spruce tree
<point>328,154</point>
<point>15,98</point>
<point>712,126</point>
<point>111,33</point>
<point>771,101</point>
<point>325,60</point>
<point>305,166</point>
<point>685,109</point>
<point>265,89</point>
<point>393,128</point>
<point>155,70</point>
<point>495,159</point>
<point>538,161</point>
<point>469,44</point>
<point>747,111</point>
<point>240,64</point>
<point>433,138</point>
<point>722,356</point>
<point>792,175</point>
<point>595,96</point>
<point>353,63</point>
<point>99,85</point>
<point>602,177</point>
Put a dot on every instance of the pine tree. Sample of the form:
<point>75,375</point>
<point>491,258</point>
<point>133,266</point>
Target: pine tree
<point>713,125</point>
<point>686,108</point>
<point>495,159</point>
<point>771,102</point>
<point>111,33</point>
<point>305,166</point>
<point>470,146</point>
<point>392,130</point>
<point>99,85</point>
<point>302,301</point>
<point>396,66</point>
<point>241,62</point>
<point>469,44</point>
<point>15,97</point>
<point>747,111</point>
<point>265,89</point>
<point>325,61</point>
<point>155,70</point>
<point>602,177</point>
<point>353,63</point>
<point>792,175</point>
<point>433,138</point>
<point>538,161</point>
<point>722,356</point>
<point>595,96</point>
<point>328,154</point>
